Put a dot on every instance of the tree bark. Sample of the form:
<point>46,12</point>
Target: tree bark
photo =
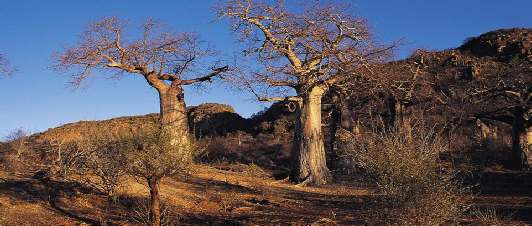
<point>155,201</point>
<point>528,147</point>
<point>341,120</point>
<point>334,122</point>
<point>346,117</point>
<point>173,114</point>
<point>397,120</point>
<point>393,113</point>
<point>520,141</point>
<point>308,154</point>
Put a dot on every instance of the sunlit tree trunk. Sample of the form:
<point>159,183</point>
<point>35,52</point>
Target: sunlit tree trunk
<point>155,201</point>
<point>308,156</point>
<point>173,115</point>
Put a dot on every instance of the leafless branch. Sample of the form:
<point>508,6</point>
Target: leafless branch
<point>303,50</point>
<point>158,55</point>
<point>215,72</point>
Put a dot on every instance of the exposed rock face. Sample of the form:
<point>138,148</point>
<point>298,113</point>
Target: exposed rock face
<point>278,119</point>
<point>504,44</point>
<point>214,119</point>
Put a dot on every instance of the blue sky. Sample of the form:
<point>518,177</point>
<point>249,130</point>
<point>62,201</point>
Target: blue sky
<point>37,98</point>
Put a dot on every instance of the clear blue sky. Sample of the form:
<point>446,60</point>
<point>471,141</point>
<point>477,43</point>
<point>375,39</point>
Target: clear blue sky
<point>37,98</point>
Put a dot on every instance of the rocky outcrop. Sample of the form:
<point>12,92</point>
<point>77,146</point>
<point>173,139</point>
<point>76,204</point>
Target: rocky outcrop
<point>505,44</point>
<point>212,119</point>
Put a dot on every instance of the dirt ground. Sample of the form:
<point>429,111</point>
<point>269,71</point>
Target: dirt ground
<point>228,195</point>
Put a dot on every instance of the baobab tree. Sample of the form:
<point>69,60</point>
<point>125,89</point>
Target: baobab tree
<point>304,53</point>
<point>501,87</point>
<point>506,96</point>
<point>167,61</point>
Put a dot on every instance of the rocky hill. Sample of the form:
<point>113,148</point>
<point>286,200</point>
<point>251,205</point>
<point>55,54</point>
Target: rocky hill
<point>504,44</point>
<point>205,119</point>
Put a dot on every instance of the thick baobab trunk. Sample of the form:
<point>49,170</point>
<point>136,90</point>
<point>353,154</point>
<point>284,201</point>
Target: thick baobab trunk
<point>308,154</point>
<point>155,201</point>
<point>520,141</point>
<point>173,115</point>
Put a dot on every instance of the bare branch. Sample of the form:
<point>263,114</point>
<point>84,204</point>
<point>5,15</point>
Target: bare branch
<point>157,55</point>
<point>215,72</point>
<point>271,99</point>
<point>303,49</point>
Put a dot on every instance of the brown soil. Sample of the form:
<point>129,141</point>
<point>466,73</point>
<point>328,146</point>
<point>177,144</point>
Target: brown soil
<point>234,195</point>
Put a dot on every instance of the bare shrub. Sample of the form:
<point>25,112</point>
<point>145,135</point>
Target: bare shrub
<point>17,145</point>
<point>405,166</point>
<point>10,163</point>
<point>18,140</point>
<point>254,171</point>
<point>490,217</point>
<point>70,156</point>
<point>108,165</point>
<point>227,202</point>
<point>140,214</point>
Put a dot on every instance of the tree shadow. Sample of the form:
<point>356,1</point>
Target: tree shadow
<point>285,206</point>
<point>204,219</point>
<point>202,185</point>
<point>50,192</point>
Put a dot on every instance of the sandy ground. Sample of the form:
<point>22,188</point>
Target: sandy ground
<point>232,196</point>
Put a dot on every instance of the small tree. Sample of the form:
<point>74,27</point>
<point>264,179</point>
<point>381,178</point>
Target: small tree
<point>150,155</point>
<point>107,163</point>
<point>17,139</point>
<point>307,53</point>
<point>70,156</point>
<point>165,60</point>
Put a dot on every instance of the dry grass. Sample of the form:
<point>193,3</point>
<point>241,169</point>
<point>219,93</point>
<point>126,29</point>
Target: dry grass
<point>405,167</point>
<point>490,217</point>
